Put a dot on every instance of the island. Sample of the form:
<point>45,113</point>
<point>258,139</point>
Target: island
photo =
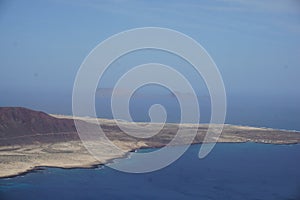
<point>32,139</point>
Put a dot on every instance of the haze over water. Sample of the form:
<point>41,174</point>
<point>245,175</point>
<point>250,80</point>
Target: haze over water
<point>255,44</point>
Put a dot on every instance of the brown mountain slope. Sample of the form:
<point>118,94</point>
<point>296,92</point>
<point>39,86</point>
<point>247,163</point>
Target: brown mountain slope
<point>17,123</point>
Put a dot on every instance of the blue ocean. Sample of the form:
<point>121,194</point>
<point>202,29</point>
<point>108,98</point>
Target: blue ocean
<point>231,171</point>
<point>46,47</point>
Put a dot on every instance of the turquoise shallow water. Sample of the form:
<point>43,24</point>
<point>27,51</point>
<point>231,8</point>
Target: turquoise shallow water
<point>231,171</point>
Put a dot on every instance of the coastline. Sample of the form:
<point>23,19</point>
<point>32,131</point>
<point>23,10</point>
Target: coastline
<point>43,140</point>
<point>99,164</point>
<point>41,168</point>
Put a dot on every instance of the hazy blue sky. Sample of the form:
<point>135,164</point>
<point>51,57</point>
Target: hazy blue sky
<point>255,44</point>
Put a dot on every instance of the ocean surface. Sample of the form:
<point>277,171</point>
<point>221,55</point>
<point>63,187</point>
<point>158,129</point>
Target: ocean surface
<point>231,171</point>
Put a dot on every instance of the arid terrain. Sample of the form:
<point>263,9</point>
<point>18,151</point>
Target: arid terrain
<point>31,139</point>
